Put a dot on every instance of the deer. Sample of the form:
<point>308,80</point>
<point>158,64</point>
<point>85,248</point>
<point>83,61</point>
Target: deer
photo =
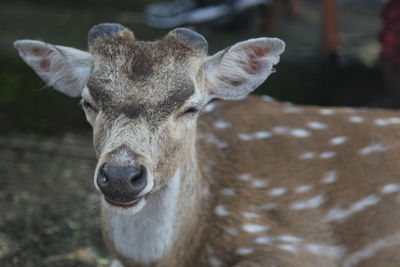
<point>188,181</point>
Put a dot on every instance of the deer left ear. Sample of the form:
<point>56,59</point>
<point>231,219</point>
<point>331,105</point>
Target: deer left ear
<point>65,68</point>
<point>238,70</point>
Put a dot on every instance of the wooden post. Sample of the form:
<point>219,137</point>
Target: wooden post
<point>330,41</point>
<point>294,7</point>
<point>272,16</point>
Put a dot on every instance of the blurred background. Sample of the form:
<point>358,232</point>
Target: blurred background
<point>339,53</point>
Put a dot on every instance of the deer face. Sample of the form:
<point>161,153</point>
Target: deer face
<point>143,98</point>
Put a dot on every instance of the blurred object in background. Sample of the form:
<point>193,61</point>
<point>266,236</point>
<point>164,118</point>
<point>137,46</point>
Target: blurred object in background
<point>329,34</point>
<point>390,52</point>
<point>174,13</point>
<point>328,17</point>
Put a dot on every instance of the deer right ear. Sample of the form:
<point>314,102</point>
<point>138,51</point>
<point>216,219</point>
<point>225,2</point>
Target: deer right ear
<point>64,68</point>
<point>238,70</point>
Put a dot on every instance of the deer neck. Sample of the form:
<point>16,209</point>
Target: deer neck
<point>157,231</point>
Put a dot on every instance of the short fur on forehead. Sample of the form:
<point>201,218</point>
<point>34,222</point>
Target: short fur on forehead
<point>141,79</point>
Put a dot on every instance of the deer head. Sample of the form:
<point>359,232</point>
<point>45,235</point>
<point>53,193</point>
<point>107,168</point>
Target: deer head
<point>143,98</point>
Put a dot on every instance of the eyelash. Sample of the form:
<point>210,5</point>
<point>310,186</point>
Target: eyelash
<point>87,105</point>
<point>191,110</point>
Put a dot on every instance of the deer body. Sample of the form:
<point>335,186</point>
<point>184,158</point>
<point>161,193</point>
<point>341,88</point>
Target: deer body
<point>250,183</point>
<point>325,205</point>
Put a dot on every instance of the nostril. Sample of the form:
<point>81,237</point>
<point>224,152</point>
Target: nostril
<point>139,179</point>
<point>104,179</point>
<point>103,174</point>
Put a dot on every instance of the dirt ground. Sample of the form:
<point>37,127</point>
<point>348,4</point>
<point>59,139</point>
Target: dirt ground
<point>49,210</point>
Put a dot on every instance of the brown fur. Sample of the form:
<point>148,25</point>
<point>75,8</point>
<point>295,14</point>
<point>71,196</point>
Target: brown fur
<point>276,159</point>
<point>140,65</point>
<point>260,183</point>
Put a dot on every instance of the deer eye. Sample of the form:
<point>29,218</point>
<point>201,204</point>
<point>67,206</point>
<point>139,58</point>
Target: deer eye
<point>86,105</point>
<point>191,110</point>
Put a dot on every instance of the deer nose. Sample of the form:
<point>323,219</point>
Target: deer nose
<point>121,184</point>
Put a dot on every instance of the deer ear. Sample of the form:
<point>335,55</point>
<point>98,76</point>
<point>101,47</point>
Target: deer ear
<point>66,69</point>
<point>238,70</point>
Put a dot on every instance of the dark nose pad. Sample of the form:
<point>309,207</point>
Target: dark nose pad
<point>121,184</point>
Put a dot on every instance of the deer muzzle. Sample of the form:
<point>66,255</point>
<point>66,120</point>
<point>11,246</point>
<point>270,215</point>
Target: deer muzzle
<point>121,185</point>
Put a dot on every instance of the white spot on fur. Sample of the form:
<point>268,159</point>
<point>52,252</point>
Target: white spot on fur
<point>289,239</point>
<point>278,191</point>
<point>335,252</point>
<point>393,120</point>
<point>262,240</point>
<point>214,261</point>
<point>244,177</point>
<point>327,154</point>
<point>250,215</point>
<point>254,228</point>
<point>229,192</point>
<point>301,133</point>
<point>316,125</point>
<point>256,135</point>
<point>377,147</point>
<point>326,111</point>
<point>245,137</point>
<point>339,214</point>
<point>289,248</point>
<point>222,124</point>
<point>371,250</point>
<point>259,183</point>
<point>356,119</point>
<point>269,206</point>
<point>338,140</point>
<point>381,122</point>
<point>303,188</point>
<point>329,177</point>
<point>244,251</point>
<point>262,135</point>
<point>212,139</point>
<point>220,210</point>
<point>281,129</point>
<point>311,203</point>
<point>307,155</point>
<point>390,188</point>
<point>230,230</point>
<point>267,98</point>
<point>291,109</point>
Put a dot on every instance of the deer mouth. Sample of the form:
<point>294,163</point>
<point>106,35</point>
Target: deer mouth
<point>126,204</point>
